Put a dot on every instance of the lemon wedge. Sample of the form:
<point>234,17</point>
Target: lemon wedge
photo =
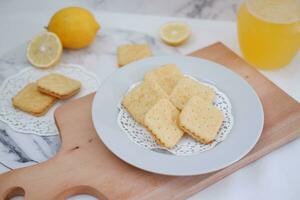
<point>44,50</point>
<point>175,33</point>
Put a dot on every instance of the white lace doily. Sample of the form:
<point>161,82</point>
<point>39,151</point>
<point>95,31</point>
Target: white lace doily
<point>44,125</point>
<point>186,146</point>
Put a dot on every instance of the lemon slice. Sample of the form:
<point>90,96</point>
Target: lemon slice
<point>175,33</point>
<point>44,50</point>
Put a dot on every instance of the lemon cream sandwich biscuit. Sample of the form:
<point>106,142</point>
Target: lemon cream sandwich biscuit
<point>167,76</point>
<point>161,121</point>
<point>32,101</point>
<point>187,88</point>
<point>140,99</point>
<point>59,86</point>
<point>200,119</point>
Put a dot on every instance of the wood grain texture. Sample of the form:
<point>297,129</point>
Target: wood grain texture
<point>85,165</point>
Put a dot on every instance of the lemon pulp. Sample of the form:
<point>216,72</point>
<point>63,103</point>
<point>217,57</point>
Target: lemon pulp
<point>175,33</point>
<point>44,50</point>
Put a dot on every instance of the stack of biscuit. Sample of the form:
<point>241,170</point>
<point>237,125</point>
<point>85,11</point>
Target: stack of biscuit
<point>37,98</point>
<point>170,104</point>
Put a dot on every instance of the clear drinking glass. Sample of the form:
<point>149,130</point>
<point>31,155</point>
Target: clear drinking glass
<point>269,32</point>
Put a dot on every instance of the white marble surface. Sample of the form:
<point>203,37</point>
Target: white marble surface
<point>276,176</point>
<point>204,9</point>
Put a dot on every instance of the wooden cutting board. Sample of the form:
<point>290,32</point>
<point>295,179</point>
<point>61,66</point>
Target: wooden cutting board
<point>84,165</point>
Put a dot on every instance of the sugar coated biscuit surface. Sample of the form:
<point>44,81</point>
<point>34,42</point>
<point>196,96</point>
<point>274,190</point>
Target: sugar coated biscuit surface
<point>140,99</point>
<point>30,100</point>
<point>167,76</point>
<point>58,85</point>
<point>187,88</point>
<point>201,119</point>
<point>161,121</point>
<point>132,52</point>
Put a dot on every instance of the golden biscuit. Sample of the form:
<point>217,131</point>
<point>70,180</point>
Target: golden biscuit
<point>132,52</point>
<point>58,86</point>
<point>187,88</point>
<point>140,99</point>
<point>161,121</point>
<point>167,76</point>
<point>200,119</point>
<point>32,101</point>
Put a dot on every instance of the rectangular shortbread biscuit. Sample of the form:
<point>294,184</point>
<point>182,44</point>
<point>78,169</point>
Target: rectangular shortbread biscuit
<point>201,119</point>
<point>167,76</point>
<point>58,85</point>
<point>161,121</point>
<point>187,88</point>
<point>140,99</point>
<point>132,52</point>
<point>32,101</point>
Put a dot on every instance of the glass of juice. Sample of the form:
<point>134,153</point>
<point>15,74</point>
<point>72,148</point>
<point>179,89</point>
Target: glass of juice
<point>269,32</point>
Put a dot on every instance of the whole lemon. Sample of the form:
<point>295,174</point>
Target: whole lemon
<point>76,27</point>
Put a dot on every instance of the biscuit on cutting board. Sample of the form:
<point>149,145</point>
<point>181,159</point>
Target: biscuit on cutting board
<point>139,100</point>
<point>187,88</point>
<point>200,119</point>
<point>161,121</point>
<point>32,101</point>
<point>132,52</point>
<point>167,76</point>
<point>58,85</point>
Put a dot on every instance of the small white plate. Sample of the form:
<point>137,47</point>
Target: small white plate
<point>43,125</point>
<point>246,108</point>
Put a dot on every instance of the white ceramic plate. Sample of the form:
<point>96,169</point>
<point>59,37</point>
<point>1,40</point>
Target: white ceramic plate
<point>246,108</point>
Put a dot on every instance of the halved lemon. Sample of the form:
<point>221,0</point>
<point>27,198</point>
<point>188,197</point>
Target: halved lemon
<point>175,33</point>
<point>44,50</point>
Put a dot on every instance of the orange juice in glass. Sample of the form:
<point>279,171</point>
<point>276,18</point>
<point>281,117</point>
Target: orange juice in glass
<point>269,32</point>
